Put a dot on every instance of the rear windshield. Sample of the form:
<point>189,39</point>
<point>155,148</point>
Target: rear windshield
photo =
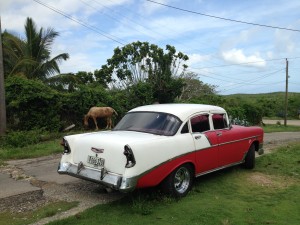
<point>149,122</point>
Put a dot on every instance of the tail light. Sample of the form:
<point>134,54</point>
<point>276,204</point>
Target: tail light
<point>66,146</point>
<point>129,156</point>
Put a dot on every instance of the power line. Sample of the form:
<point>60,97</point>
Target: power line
<point>172,31</point>
<point>252,81</point>
<point>237,64</point>
<point>223,18</point>
<point>243,82</point>
<point>140,24</point>
<point>95,29</point>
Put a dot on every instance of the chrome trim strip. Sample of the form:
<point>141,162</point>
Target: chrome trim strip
<point>218,168</point>
<point>102,176</point>
<point>230,142</point>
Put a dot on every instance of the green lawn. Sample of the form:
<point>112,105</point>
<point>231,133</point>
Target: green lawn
<point>269,194</point>
<point>270,128</point>
<point>31,151</point>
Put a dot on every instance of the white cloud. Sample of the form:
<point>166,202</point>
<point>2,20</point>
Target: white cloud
<point>149,7</point>
<point>284,42</point>
<point>195,59</point>
<point>78,62</point>
<point>237,56</point>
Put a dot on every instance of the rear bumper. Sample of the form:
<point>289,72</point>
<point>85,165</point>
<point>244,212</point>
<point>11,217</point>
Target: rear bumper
<point>101,176</point>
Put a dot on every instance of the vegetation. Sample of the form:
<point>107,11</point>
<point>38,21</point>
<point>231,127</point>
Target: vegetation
<point>30,57</point>
<point>280,128</point>
<point>194,88</point>
<point>23,218</point>
<point>267,195</point>
<point>141,64</point>
<point>137,74</point>
<point>271,104</point>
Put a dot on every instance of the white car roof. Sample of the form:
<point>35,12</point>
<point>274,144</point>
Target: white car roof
<point>182,111</point>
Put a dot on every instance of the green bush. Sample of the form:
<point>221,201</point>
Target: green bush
<point>76,104</point>
<point>31,105</point>
<point>25,138</point>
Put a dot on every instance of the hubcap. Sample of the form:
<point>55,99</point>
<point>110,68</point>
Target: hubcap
<point>182,180</point>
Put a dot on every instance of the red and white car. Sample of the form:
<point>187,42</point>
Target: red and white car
<point>166,144</point>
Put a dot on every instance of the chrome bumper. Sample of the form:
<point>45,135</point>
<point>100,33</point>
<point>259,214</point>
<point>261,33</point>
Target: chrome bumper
<point>100,176</point>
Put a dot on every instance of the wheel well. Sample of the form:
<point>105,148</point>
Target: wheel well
<point>256,145</point>
<point>192,166</point>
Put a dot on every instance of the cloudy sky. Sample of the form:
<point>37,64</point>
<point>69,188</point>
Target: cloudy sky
<point>237,57</point>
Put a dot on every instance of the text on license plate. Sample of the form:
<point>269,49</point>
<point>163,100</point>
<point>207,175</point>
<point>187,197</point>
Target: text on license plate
<point>95,160</point>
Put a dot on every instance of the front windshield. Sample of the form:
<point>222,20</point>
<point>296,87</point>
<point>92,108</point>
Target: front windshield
<point>149,122</point>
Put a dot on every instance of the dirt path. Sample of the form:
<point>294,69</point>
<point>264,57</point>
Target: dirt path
<point>289,122</point>
<point>41,173</point>
<point>273,140</point>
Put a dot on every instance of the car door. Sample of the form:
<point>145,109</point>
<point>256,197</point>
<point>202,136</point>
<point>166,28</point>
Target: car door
<point>230,146</point>
<point>205,142</point>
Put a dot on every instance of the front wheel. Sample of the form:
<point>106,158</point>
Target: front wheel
<point>250,158</point>
<point>179,182</point>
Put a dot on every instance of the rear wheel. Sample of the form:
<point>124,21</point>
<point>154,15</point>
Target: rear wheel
<point>179,182</point>
<point>250,158</point>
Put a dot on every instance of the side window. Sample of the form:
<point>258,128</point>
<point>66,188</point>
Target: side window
<point>200,123</point>
<point>185,129</point>
<point>219,121</point>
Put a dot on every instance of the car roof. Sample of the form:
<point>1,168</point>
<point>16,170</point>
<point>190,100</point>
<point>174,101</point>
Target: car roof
<point>182,111</point>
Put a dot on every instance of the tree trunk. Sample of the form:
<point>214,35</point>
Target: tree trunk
<point>2,91</point>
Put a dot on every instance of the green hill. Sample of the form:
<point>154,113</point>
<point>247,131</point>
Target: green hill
<point>273,104</point>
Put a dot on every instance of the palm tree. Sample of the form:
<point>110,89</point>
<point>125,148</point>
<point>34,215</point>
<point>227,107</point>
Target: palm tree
<point>30,57</point>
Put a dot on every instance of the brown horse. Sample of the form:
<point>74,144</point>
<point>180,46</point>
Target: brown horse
<point>100,112</point>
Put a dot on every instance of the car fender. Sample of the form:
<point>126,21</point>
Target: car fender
<point>160,172</point>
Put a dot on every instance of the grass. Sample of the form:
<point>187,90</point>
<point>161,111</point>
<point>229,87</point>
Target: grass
<point>31,151</point>
<point>269,194</point>
<point>270,128</point>
<point>24,218</point>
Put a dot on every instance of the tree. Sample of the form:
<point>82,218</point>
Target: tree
<point>143,62</point>
<point>2,91</point>
<point>70,81</point>
<point>194,88</point>
<point>30,57</point>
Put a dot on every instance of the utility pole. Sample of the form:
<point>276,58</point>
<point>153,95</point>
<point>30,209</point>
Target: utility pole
<point>286,91</point>
<point>2,90</point>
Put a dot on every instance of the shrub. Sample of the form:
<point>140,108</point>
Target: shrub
<point>25,138</point>
<point>31,105</point>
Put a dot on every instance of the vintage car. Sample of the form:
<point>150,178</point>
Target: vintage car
<point>161,144</point>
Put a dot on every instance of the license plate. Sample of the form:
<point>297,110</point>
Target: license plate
<point>95,160</point>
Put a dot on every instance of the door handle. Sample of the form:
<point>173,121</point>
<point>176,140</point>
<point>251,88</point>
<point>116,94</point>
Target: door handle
<point>219,134</point>
<point>197,137</point>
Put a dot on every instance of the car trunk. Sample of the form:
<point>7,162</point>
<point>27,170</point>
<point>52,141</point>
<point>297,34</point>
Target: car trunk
<point>104,149</point>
